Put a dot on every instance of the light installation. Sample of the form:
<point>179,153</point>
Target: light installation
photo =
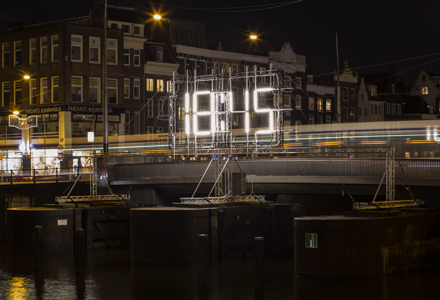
<point>215,107</point>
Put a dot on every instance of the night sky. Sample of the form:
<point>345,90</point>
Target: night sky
<point>373,35</point>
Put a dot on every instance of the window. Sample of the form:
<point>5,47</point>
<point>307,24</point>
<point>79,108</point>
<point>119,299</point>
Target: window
<point>215,68</point>
<point>137,58</point>
<point>375,109</point>
<point>6,55</point>
<point>127,123</point>
<point>55,89</point>
<point>310,79</point>
<point>352,114</point>
<point>112,51</point>
<point>149,84</point>
<point>33,98</point>
<point>424,90</point>
<point>137,123</point>
<point>263,78</point>
<point>17,53</point>
<point>201,68</point>
<point>136,88</point>
<point>373,91</point>
<point>76,89</point>
<point>149,109</point>
<point>393,108</point>
<point>387,108</point>
<point>149,129</point>
<point>225,67</point>
<point>234,119</point>
<point>399,110</point>
<point>160,87</point>
<point>18,92</point>
<point>159,53</point>
<point>55,47</point>
<point>112,90</point>
<point>353,93</point>
<point>114,26</point>
<point>298,82</point>
<point>33,51</point>
<point>126,28</point>
<point>180,113</point>
<point>43,90</point>
<point>6,93</point>
<point>136,30</point>
<point>286,100</point>
<point>234,68</point>
<point>393,89</point>
<point>126,88</point>
<point>126,57</point>
<point>319,104</point>
<point>76,47</point>
<point>371,110</point>
<point>328,119</point>
<point>298,101</point>
<point>345,114</point>
<point>345,94</point>
<point>360,112</point>
<point>328,105</point>
<point>311,104</point>
<point>311,120</point>
<point>94,89</point>
<point>94,50</point>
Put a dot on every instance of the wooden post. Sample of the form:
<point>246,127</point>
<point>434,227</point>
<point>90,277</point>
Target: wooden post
<point>80,250</point>
<point>38,250</point>
<point>259,267</point>
<point>203,261</point>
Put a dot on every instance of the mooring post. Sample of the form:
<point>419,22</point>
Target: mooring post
<point>203,259</point>
<point>38,252</point>
<point>80,250</point>
<point>259,267</point>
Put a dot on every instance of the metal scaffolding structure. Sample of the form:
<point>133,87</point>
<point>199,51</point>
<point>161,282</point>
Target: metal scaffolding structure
<point>216,91</point>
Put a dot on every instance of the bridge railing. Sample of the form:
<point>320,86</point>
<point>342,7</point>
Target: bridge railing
<point>46,175</point>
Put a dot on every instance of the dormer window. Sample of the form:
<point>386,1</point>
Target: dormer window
<point>136,30</point>
<point>126,28</point>
<point>159,53</point>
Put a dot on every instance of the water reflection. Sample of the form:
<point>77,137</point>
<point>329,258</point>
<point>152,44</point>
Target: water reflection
<point>109,275</point>
<point>18,288</point>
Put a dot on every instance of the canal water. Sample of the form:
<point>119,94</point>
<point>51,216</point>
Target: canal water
<point>110,275</point>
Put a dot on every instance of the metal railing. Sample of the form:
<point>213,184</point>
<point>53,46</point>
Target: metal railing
<point>47,175</point>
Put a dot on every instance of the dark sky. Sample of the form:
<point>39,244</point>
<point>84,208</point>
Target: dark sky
<point>372,34</point>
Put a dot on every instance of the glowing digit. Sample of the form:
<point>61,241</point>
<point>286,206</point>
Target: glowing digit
<point>202,113</point>
<point>261,110</point>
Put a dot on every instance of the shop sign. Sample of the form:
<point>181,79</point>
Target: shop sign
<point>39,110</point>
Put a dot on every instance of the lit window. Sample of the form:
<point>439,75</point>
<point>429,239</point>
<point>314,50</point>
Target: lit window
<point>76,44</point>
<point>55,47</point>
<point>328,105</point>
<point>345,94</point>
<point>311,104</point>
<point>55,89</point>
<point>160,87</point>
<point>94,50</point>
<point>43,49</point>
<point>76,89</point>
<point>43,90</point>
<point>319,104</point>
<point>286,100</point>
<point>149,84</point>
<point>112,51</point>
<point>424,90</point>
<point>373,91</point>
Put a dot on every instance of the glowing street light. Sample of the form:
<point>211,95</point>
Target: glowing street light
<point>253,36</point>
<point>157,17</point>
<point>16,112</point>
<point>26,77</point>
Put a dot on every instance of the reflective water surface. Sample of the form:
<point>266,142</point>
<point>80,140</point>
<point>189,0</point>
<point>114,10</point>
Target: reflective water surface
<point>110,275</point>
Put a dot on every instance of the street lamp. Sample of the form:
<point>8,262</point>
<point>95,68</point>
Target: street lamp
<point>253,36</point>
<point>157,17</point>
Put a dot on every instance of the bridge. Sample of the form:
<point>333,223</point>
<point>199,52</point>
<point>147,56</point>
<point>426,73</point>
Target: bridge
<point>161,182</point>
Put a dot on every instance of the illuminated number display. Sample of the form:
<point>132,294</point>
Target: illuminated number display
<point>193,114</point>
